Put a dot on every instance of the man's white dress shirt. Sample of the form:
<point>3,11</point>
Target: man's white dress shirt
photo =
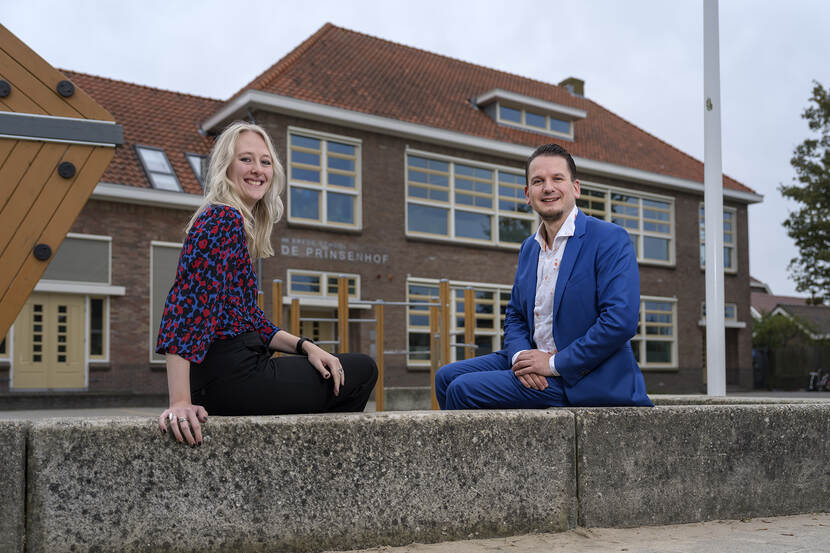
<point>547,271</point>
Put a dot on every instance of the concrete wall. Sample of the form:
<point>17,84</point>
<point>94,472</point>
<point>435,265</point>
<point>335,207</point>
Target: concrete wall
<point>300,483</point>
<point>692,463</point>
<point>322,482</point>
<point>12,484</point>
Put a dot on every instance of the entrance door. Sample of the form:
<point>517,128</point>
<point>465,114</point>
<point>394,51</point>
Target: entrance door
<point>49,343</point>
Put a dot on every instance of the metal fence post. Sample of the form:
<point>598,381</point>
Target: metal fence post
<point>379,354</point>
<point>343,313</point>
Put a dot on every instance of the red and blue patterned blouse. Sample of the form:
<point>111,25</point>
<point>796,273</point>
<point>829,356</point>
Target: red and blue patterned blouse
<point>214,294</point>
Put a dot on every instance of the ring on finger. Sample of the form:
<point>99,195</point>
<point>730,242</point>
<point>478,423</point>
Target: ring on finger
<point>171,416</point>
<point>182,419</point>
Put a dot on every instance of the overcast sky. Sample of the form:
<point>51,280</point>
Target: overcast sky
<point>642,59</point>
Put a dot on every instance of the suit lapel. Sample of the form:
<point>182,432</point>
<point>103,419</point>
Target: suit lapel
<point>569,258</point>
<point>530,284</point>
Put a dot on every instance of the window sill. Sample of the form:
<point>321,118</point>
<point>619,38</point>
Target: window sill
<point>324,227</point>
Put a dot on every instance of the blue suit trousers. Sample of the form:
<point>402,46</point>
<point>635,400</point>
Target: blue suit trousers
<point>487,382</point>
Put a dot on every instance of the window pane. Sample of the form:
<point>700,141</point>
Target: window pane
<point>514,230</point>
<point>306,175</point>
<point>535,120</point>
<point>164,182</point>
<point>658,352</point>
<point>423,218</point>
<point>417,162</point>
<point>560,125</point>
<point>655,248</point>
<point>96,326</point>
<point>510,114</point>
<point>419,343</point>
<point>309,284</point>
<point>336,179</point>
<point>305,142</point>
<point>306,158</point>
<point>154,160</point>
<point>339,148</point>
<point>340,208</point>
<point>305,203</point>
<point>472,225</point>
<point>341,163</point>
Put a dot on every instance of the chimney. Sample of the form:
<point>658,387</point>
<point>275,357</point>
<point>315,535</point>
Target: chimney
<point>574,86</point>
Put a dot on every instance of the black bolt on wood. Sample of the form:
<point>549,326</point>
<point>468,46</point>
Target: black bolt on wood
<point>5,89</point>
<point>66,88</point>
<point>43,252</point>
<point>66,169</point>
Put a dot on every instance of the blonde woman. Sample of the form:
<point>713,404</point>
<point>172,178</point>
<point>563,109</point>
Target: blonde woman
<point>216,341</point>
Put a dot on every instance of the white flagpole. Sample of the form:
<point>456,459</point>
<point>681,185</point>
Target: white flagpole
<point>713,204</point>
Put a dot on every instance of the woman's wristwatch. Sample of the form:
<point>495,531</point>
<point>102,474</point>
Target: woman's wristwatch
<point>300,343</point>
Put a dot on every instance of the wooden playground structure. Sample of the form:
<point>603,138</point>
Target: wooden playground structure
<point>439,327</point>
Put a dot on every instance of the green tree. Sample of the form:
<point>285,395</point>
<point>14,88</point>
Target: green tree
<point>775,331</point>
<point>809,225</point>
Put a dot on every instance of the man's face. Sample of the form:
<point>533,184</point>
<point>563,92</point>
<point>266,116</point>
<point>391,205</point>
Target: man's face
<point>550,190</point>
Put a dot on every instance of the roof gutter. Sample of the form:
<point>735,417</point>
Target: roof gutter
<point>257,99</point>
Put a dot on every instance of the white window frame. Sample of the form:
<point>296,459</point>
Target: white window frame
<point>494,212</point>
<point>457,333</point>
<point>195,160</point>
<point>641,232</point>
<point>526,127</point>
<point>323,188</point>
<point>149,174</point>
<point>642,337</point>
<point>324,277</point>
<point>153,332</point>
<point>733,244</point>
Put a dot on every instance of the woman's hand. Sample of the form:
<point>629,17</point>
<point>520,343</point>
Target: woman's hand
<point>184,421</point>
<point>326,364</point>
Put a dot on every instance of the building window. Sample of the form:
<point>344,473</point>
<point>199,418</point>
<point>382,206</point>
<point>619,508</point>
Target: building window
<point>164,258</point>
<point>196,162</point>
<point>320,284</point>
<point>730,312</point>
<point>528,119</point>
<point>98,330</point>
<point>4,348</point>
<point>648,219</point>
<point>730,260</point>
<point>81,258</point>
<point>655,344</point>
<point>158,169</point>
<point>490,306</point>
<point>324,179</point>
<point>465,201</point>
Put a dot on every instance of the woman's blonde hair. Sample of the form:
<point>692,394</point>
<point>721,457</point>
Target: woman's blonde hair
<point>219,190</point>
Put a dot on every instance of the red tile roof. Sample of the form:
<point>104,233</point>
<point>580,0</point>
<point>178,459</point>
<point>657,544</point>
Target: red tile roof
<point>765,303</point>
<point>350,70</point>
<point>150,117</point>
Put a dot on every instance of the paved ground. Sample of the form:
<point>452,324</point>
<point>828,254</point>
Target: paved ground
<point>800,533</point>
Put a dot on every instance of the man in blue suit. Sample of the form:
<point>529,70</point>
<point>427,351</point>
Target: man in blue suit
<point>573,309</point>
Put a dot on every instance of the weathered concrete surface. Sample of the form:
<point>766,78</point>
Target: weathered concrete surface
<point>672,465</point>
<point>700,399</point>
<point>12,484</point>
<point>300,483</point>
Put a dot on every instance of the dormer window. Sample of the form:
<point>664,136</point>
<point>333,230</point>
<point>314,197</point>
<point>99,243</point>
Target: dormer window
<point>196,162</point>
<point>158,169</point>
<point>532,114</point>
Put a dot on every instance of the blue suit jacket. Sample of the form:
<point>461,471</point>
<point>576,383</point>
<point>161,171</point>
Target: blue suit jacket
<point>596,309</point>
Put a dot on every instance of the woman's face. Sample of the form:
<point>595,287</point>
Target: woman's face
<point>251,170</point>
